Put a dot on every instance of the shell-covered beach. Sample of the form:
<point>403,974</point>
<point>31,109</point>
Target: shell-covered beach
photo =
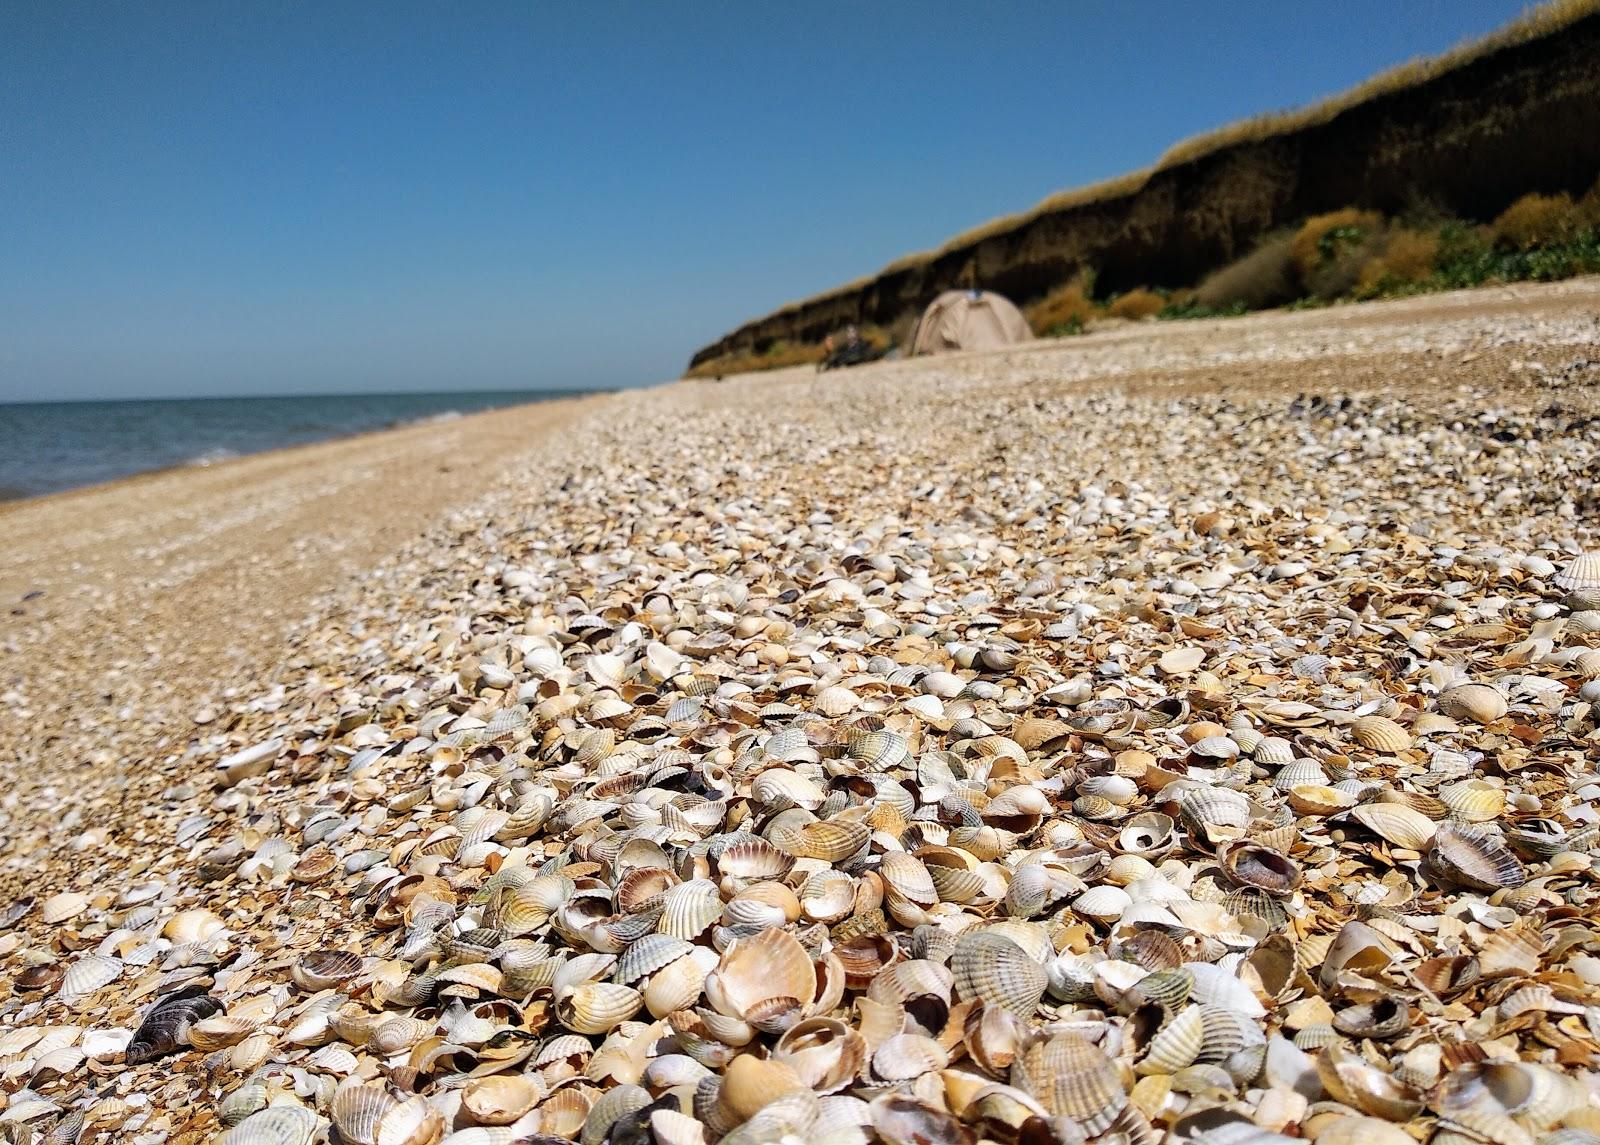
<point>1180,732</point>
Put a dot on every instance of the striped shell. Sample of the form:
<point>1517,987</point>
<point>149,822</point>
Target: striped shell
<point>1473,858</point>
<point>1176,1044</point>
<point>993,968</point>
<point>1074,1079</point>
<point>597,1007</point>
<point>87,975</point>
<point>356,1111</point>
<point>1581,574</point>
<point>689,909</point>
<point>1380,733</point>
<point>275,1125</point>
<point>1474,801</point>
<point>832,840</point>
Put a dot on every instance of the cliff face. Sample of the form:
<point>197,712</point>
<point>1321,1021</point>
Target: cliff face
<point>1524,117</point>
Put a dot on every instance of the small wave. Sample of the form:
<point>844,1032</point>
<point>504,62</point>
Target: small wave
<point>433,418</point>
<point>212,457</point>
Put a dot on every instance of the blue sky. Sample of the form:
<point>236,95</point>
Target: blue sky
<point>221,198</point>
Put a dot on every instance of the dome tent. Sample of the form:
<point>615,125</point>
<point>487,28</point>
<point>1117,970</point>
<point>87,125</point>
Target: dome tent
<point>969,320</point>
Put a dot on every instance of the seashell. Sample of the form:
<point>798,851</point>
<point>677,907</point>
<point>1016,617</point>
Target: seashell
<point>397,1035</point>
<point>1215,986</point>
<point>1475,703</point>
<point>900,1119</point>
<point>646,955</point>
<point>165,1027</point>
<point>356,1111</point>
<point>827,896</point>
<point>1102,903</point>
<point>88,974</point>
<point>994,969</point>
<point>1317,799</point>
<point>907,1056</point>
<point>767,980</point>
<point>217,1032</point>
<point>831,841</point>
<point>689,909</point>
<point>1253,865</point>
<point>750,1083</point>
<point>754,859</point>
<point>63,907</point>
<point>499,1099</point>
<point>1474,801</point>
<point>1074,1079</point>
<point>1273,751</point>
<point>274,1125</point>
<point>906,876</point>
<point>1396,823</point>
<point>1354,1082</point>
<point>611,1111</point>
<point>193,926</point>
<point>1471,857</point>
<point>325,969</point>
<point>1384,1018</point>
<point>826,1054</point>
<point>596,1007</point>
<point>1175,1045</point>
<point>1581,574</point>
<point>1380,733</point>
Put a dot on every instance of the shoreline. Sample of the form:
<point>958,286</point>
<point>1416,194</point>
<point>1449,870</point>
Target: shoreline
<point>9,499</point>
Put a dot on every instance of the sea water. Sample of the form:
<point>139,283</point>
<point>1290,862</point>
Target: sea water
<point>49,446</point>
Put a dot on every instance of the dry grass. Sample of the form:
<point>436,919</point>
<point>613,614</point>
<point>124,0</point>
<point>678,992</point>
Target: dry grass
<point>1264,277</point>
<point>1136,304</point>
<point>1408,257</point>
<point>1064,309</point>
<point>1321,238</point>
<point>781,355</point>
<point>1542,220</point>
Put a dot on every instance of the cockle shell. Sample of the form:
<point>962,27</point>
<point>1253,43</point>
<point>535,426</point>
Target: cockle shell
<point>275,1125</point>
<point>1471,857</point>
<point>1380,734</point>
<point>1396,823</point>
<point>1478,703</point>
<point>1072,1078</point>
<point>767,980</point>
<point>994,969</point>
<point>499,1099</point>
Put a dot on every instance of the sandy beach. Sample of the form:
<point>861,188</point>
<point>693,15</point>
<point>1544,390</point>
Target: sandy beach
<point>1181,511</point>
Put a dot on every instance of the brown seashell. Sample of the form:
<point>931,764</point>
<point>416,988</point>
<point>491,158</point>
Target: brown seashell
<point>750,1083</point>
<point>499,1099</point>
<point>1380,733</point>
<point>1252,865</point>
<point>768,981</point>
<point>1471,857</point>
<point>1072,1078</point>
<point>1396,823</point>
<point>825,1053</point>
<point>992,968</point>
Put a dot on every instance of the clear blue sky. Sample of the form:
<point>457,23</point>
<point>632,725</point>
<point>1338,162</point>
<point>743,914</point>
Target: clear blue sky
<point>225,198</point>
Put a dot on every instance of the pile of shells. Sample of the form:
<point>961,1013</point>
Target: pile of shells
<point>867,781</point>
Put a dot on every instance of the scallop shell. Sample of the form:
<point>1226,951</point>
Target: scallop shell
<point>1380,733</point>
<point>1477,703</point>
<point>907,876</point>
<point>88,974</point>
<point>767,980</point>
<point>689,909</point>
<point>994,969</point>
<point>832,841</point>
<point>1317,799</point>
<point>1175,1045</point>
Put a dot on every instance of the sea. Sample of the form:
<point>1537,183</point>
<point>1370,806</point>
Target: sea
<point>49,446</point>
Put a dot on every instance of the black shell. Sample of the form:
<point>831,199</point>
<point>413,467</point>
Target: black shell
<point>165,1028</point>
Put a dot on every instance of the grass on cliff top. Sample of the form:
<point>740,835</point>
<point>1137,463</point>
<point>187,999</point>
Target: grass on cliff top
<point>1544,20</point>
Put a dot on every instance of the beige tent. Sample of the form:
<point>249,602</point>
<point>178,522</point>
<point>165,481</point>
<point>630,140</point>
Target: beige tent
<point>969,320</point>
